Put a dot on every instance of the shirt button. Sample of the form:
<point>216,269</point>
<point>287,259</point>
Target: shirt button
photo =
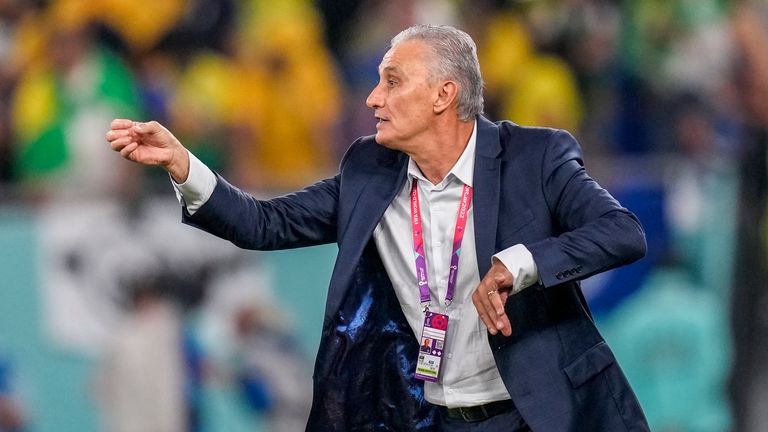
<point>450,355</point>
<point>449,391</point>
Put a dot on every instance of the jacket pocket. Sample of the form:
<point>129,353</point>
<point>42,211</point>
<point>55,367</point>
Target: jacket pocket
<point>592,362</point>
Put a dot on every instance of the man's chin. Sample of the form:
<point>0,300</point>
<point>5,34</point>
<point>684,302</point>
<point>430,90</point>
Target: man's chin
<point>383,141</point>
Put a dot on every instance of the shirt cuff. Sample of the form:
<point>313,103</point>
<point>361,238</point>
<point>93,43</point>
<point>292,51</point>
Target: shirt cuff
<point>198,187</point>
<point>519,261</point>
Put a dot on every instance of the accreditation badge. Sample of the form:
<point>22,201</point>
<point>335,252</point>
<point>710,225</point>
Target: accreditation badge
<point>431,346</point>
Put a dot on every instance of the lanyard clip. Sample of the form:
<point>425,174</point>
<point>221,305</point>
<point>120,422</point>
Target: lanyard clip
<point>426,306</point>
<point>448,304</point>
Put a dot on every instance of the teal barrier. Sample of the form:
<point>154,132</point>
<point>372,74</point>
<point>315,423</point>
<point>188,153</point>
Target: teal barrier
<point>53,385</point>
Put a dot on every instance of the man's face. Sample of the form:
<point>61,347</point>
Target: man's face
<point>403,100</point>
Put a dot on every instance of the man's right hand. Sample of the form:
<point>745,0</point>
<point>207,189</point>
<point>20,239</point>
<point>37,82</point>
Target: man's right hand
<point>149,144</point>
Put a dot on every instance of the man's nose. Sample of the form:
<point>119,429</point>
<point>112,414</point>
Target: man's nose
<point>374,99</point>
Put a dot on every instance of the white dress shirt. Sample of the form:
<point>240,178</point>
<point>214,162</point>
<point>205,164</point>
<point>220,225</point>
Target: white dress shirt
<point>468,374</point>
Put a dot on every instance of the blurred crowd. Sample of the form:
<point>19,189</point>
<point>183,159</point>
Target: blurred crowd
<point>669,100</point>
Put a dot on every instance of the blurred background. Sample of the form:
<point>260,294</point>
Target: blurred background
<point>115,317</point>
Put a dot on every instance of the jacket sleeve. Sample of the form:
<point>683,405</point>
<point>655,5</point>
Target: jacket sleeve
<point>303,218</point>
<point>597,233</point>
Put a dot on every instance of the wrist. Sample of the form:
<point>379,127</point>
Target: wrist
<point>178,167</point>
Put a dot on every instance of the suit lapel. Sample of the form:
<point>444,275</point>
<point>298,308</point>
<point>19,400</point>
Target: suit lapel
<point>373,199</point>
<point>486,181</point>
<point>379,192</point>
<point>384,183</point>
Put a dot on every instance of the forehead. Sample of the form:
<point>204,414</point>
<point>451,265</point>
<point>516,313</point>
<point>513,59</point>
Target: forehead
<point>407,57</point>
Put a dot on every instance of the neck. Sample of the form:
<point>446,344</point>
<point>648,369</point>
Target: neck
<point>436,158</point>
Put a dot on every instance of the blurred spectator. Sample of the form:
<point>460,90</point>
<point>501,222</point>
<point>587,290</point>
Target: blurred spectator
<point>13,16</point>
<point>673,336</point>
<point>203,25</point>
<point>749,377</point>
<point>158,74</point>
<point>591,46</point>
<point>12,418</point>
<point>274,378</point>
<point>204,107</point>
<point>62,100</point>
<point>286,100</point>
<point>525,85</point>
<point>677,45</point>
<point>505,47</point>
<point>547,95</point>
<point>141,23</point>
<point>669,48</point>
<point>142,380</point>
<point>338,16</point>
<point>7,29</point>
<point>5,139</point>
<point>702,196</point>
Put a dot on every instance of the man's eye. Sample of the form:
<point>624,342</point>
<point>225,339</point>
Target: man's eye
<point>391,83</point>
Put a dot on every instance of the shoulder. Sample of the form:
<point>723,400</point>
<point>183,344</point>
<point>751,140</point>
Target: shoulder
<point>536,140</point>
<point>535,135</point>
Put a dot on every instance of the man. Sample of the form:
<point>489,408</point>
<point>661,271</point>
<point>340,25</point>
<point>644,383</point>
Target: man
<point>439,197</point>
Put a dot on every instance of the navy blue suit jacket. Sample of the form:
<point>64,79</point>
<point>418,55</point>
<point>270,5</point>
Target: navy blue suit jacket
<point>530,187</point>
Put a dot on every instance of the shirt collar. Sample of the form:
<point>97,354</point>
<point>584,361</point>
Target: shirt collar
<point>463,169</point>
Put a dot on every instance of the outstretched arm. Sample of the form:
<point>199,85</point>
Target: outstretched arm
<point>149,144</point>
<point>303,218</point>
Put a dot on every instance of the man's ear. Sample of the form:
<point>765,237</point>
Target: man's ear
<point>446,96</point>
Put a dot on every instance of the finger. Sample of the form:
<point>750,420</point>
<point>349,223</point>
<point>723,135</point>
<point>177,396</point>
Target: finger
<point>506,328</point>
<point>496,303</point>
<point>497,306</point>
<point>127,150</point>
<point>117,133</point>
<point>497,284</point>
<point>148,128</point>
<point>485,316</point>
<point>120,143</point>
<point>498,300</point>
<point>121,124</point>
<point>504,296</point>
<point>480,309</point>
<point>488,294</point>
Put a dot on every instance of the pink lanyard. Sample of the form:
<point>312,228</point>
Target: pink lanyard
<point>418,243</point>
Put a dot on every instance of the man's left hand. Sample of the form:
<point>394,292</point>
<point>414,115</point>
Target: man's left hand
<point>491,295</point>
